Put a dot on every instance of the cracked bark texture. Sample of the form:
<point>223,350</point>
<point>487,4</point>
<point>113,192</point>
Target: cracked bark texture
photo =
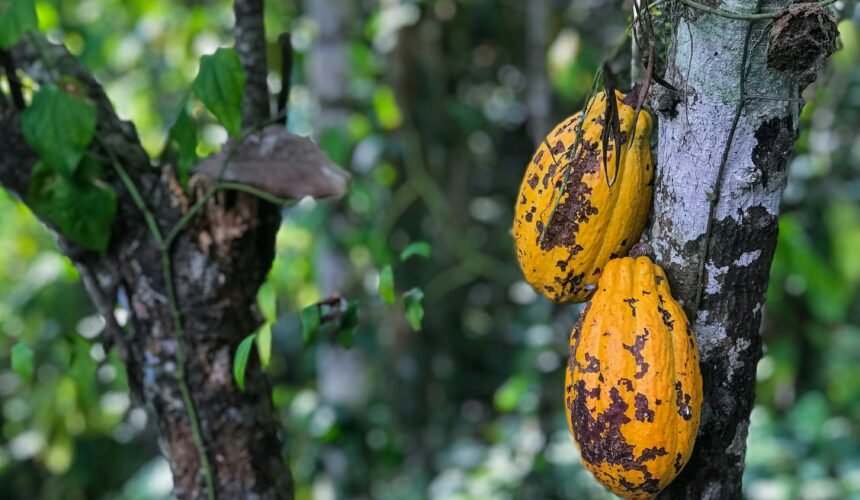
<point>735,247</point>
<point>216,289</point>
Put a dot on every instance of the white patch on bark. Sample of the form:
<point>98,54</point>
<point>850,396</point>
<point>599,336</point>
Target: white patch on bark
<point>710,338</point>
<point>713,273</point>
<point>221,374</point>
<point>734,357</point>
<point>739,443</point>
<point>748,258</point>
<point>712,491</point>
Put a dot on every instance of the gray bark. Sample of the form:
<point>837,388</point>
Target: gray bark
<point>714,227</point>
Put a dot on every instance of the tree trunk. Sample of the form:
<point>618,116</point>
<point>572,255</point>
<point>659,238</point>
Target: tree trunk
<point>723,151</point>
<point>220,441</point>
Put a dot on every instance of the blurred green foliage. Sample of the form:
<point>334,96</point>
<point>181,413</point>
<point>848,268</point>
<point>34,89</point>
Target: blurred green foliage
<point>455,389</point>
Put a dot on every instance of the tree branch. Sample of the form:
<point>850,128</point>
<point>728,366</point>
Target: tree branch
<point>251,46</point>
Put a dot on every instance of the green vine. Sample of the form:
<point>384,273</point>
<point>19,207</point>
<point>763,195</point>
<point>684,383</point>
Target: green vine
<point>714,196</point>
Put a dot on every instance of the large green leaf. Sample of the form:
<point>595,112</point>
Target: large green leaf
<point>16,18</point>
<point>220,85</point>
<point>59,127</point>
<point>240,360</point>
<point>82,208</point>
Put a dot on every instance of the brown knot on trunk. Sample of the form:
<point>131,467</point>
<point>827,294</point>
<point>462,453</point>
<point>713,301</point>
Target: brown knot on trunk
<point>802,38</point>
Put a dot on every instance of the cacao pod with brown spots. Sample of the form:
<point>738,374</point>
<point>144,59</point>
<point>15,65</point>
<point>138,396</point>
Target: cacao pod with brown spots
<point>602,201</point>
<point>633,387</point>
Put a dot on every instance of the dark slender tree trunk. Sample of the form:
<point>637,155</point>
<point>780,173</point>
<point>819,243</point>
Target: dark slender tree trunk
<point>179,365</point>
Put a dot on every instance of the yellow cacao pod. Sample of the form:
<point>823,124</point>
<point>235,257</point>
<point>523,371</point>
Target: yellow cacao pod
<point>633,388</point>
<point>601,211</point>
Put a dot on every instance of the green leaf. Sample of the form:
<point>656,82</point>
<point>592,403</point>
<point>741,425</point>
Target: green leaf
<point>240,360</point>
<point>82,208</point>
<point>510,393</point>
<point>16,18</point>
<point>59,127</point>
<point>348,322</point>
<point>419,248</point>
<point>220,84</point>
<point>386,284</point>
<point>184,134</point>
<point>336,142</point>
<point>311,320</point>
<point>22,361</point>
<point>387,111</point>
<point>264,344</point>
<point>267,301</point>
<point>413,307</point>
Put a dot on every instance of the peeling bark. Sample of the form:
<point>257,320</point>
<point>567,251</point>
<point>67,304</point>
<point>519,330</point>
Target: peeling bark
<point>718,258</point>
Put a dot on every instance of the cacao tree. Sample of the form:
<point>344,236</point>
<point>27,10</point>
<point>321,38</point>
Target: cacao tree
<point>725,136</point>
<point>189,250</point>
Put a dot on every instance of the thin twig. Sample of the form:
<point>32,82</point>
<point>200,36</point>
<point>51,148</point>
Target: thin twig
<point>14,84</point>
<point>286,45</point>
<point>258,193</point>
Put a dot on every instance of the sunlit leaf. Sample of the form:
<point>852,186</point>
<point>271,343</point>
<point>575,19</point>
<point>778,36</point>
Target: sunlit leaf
<point>419,248</point>
<point>264,344</point>
<point>59,127</point>
<point>387,111</point>
<point>16,18</point>
<point>413,307</point>
<point>22,361</point>
<point>82,208</point>
<point>240,360</point>
<point>267,301</point>
<point>386,284</point>
<point>510,393</point>
<point>220,85</point>
<point>310,323</point>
